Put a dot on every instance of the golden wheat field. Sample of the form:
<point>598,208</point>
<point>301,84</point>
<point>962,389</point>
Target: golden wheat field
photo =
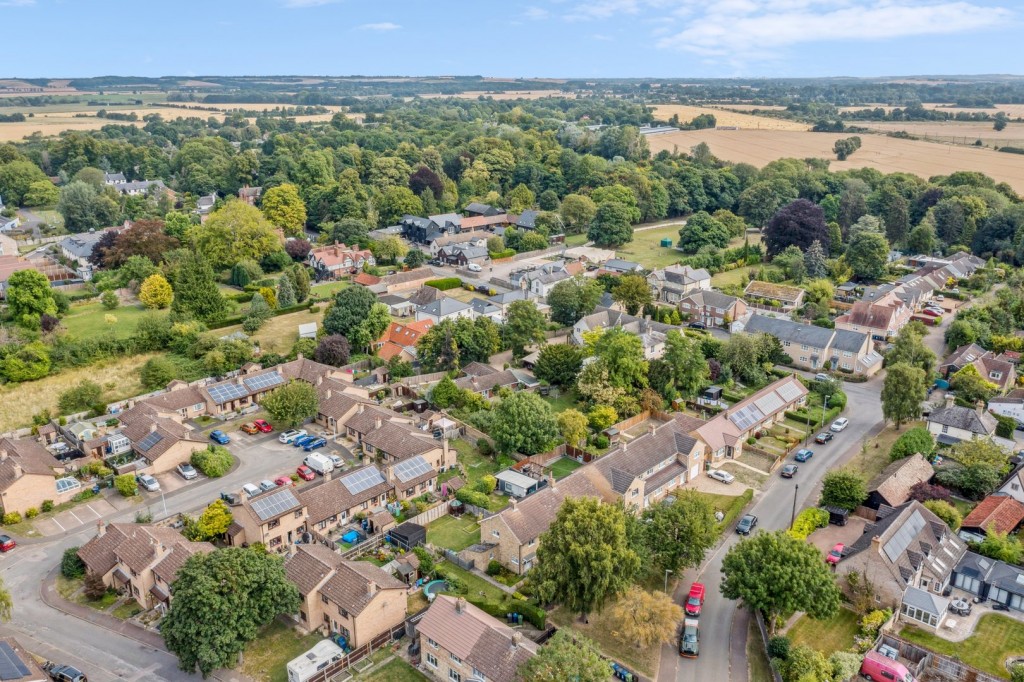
<point>959,132</point>
<point>726,118</point>
<point>887,154</point>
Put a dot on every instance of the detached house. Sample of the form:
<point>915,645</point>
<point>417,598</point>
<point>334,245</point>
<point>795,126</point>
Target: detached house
<point>444,309</point>
<point>953,423</point>
<point>996,513</point>
<point>328,262</point>
<point>355,599</point>
<point>28,476</point>
<point>875,319</point>
<point>996,369</point>
<point>1009,405</point>
<point>712,308</point>
<point>400,340</point>
<point>892,486</point>
<point>675,282</point>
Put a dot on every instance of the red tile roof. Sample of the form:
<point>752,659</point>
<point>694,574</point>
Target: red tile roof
<point>999,513</point>
<point>366,279</point>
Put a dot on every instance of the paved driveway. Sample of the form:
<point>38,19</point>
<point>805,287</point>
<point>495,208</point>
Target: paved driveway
<point>82,515</point>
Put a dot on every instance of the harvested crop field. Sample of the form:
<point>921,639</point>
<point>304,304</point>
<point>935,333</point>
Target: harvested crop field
<point>957,132</point>
<point>887,154</point>
<point>748,107</point>
<point>1011,110</point>
<point>502,95</point>
<point>726,118</point>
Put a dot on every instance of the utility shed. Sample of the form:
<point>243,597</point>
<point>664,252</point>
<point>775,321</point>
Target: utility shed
<point>409,535</point>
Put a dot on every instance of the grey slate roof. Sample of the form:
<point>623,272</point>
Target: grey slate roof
<point>482,307</point>
<point>785,330</point>
<point>847,340</point>
<point>964,418</point>
<point>81,245</point>
<point>926,601</point>
<point>443,307</point>
<point>713,299</point>
<point>620,265</point>
<point>510,297</point>
<point>528,219</point>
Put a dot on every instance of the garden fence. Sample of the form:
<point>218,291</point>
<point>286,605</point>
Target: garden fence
<point>356,655</point>
<point>432,514</point>
<point>761,628</point>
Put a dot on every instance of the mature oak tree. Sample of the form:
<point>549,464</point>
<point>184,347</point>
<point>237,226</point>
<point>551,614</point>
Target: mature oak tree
<point>524,422</point>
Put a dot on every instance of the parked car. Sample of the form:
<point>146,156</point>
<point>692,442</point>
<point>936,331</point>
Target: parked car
<point>314,444</point>
<point>148,482</point>
<point>338,461</point>
<point>7,543</point>
<point>824,437</point>
<point>931,312</point>
<point>789,470</point>
<point>746,525</point>
<point>305,473</point>
<point>263,425</point>
<point>251,490</point>
<point>821,376</point>
<point>63,673</point>
<point>835,554</point>
<point>474,267</point>
<point>248,428</point>
<point>187,471</point>
<point>695,599</point>
<point>803,455</point>
<point>689,640</point>
<point>940,297</point>
<point>697,325</point>
<point>218,436</point>
<point>722,476</point>
<point>839,424</point>
<point>266,484</point>
<point>302,440</point>
<point>289,436</point>
<point>283,481</point>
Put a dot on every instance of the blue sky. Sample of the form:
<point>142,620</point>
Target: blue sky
<point>536,38</point>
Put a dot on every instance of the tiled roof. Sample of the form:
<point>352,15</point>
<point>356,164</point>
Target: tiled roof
<point>483,642</point>
<point>366,279</point>
<point>408,276</point>
<point>477,222</point>
<point>330,498</point>
<point>444,307</point>
<point>142,545</point>
<point>29,456</point>
<point>336,254</point>
<point>178,399</point>
<point>405,333</point>
<point>400,440</point>
<point>964,418</point>
<point>98,553</point>
<point>723,429</point>
<point>1000,513</point>
<point>896,480</point>
<point>779,292</point>
<point>487,382</point>
<point>713,299</point>
<point>168,567</point>
<point>871,315</point>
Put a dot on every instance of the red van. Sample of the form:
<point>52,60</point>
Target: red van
<point>881,668</point>
<point>695,600</point>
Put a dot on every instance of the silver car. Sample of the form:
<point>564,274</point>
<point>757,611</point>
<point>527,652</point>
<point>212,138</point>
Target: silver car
<point>149,483</point>
<point>722,476</point>
<point>267,485</point>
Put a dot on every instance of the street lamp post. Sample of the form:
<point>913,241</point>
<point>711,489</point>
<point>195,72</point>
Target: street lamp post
<point>824,409</point>
<point>792,518</point>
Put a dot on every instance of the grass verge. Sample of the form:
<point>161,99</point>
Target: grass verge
<point>266,656</point>
<point>996,637</point>
<point>874,453</point>
<point>730,505</point>
<point>760,669</point>
<point>827,636</point>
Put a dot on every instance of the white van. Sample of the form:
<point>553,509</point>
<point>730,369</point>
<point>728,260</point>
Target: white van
<point>321,464</point>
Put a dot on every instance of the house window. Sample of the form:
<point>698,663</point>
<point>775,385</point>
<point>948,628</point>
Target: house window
<point>786,344</point>
<point>995,375</point>
<point>274,524</point>
<point>803,358</point>
<point>477,674</point>
<point>454,676</point>
<point>456,659</point>
<point>298,514</point>
<point>343,612</point>
<point>432,643</point>
<point>1014,486</point>
<point>515,562</point>
<point>276,542</point>
<point>496,533</point>
<point>847,354</point>
<point>198,406</point>
<point>636,492</point>
<point>531,542</point>
<point>803,346</point>
<point>945,429</point>
<point>323,598</point>
<point>431,660</point>
<point>846,365</point>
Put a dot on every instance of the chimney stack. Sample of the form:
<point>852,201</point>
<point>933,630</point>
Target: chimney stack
<point>371,588</point>
<point>949,399</point>
<point>980,407</point>
<point>17,470</point>
<point>378,421</point>
<point>460,605</point>
<point>517,639</point>
<point>3,455</point>
<point>100,528</point>
<point>875,543</point>
<point>329,394</point>
<point>512,503</point>
<point>152,427</point>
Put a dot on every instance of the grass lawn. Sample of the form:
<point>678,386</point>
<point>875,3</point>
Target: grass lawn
<point>478,588</point>
<point>101,604</point>
<point>328,289</point>
<point>760,669</point>
<point>601,630</point>
<point>565,400</point>
<point>730,505</point>
<point>265,657</point>
<point>395,670</point>
<point>280,333</point>
<point>647,250</point>
<point>417,602</point>
<point>88,319</point>
<point>995,638</point>
<point>127,610</point>
<point>576,239</point>
<point>475,465</point>
<point>454,533</point>
<point>826,636</point>
<point>874,455</point>
<point>563,466</point>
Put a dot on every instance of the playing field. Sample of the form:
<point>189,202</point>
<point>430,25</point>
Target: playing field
<point>725,118</point>
<point>887,154</point>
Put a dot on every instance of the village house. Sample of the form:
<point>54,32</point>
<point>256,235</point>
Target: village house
<point>400,340</point>
<point>78,248</point>
<point>540,280</point>
<point>444,240</point>
<point>483,222</point>
<point>953,423</point>
<point>403,281</point>
<point>28,477</point>
<point>141,559</point>
<point>812,347</point>
<point>204,206</point>
<point>275,519</point>
<point>997,513</point>
<point>607,318</point>
<point>1009,405</point>
<point>617,266</point>
<point>996,369</point>
<point>503,301</point>
<point>444,309</point>
<point>476,208</point>
<point>774,295</point>
<point>990,579</point>
<point>398,306</point>
<point>340,496</point>
<point>334,260</point>
<point>159,439</point>
<point>908,547</point>
<point>712,308</point>
<point>426,230</point>
<point>250,195</point>
<point>892,486</point>
<point>354,599</point>
<point>461,255</point>
<point>461,642</point>
<point>411,477</point>
<point>394,441</point>
<point>676,282</point>
<point>878,320</point>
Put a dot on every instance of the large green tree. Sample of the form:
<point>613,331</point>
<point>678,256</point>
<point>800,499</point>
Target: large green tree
<point>221,602</point>
<point>524,422</point>
<point>678,535</point>
<point>584,557</point>
<point>566,657</point>
<point>700,230</point>
<point>558,364</point>
<point>867,254</point>
<point>611,225</point>
<point>524,325</point>
<point>232,233</point>
<point>689,371</point>
<point>284,208</point>
<point>909,348</point>
<point>350,308</point>
<point>16,178</point>
<point>292,404</point>
<point>195,288</point>
<point>778,574</point>
<point>799,223</point>
<point>633,292</point>
<point>573,299</point>
<point>85,208</point>
<point>904,390</point>
<point>29,297</point>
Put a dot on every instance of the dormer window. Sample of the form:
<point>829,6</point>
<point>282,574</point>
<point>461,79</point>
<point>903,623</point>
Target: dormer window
<point>995,375</point>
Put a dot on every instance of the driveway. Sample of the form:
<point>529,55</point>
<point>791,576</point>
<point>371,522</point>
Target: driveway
<point>82,515</point>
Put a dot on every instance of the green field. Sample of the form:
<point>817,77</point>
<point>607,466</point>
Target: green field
<point>827,636</point>
<point>477,587</point>
<point>995,639</point>
<point>564,401</point>
<point>454,533</point>
<point>576,240</point>
<point>646,248</point>
<point>89,319</point>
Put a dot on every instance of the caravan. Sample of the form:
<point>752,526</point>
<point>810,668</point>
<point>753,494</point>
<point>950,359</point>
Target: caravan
<point>313,661</point>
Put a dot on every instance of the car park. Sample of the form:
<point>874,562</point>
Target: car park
<point>789,470</point>
<point>267,485</point>
<point>318,463</point>
<point>148,482</point>
<point>251,490</point>
<point>940,297</point>
<point>695,600</point>
<point>823,437</point>
<point>803,455</point>
<point>7,543</point>
<point>721,476</point>
<point>187,471</point>
<point>248,428</point>
<point>289,436</point>
<point>835,554</point>
<point>263,425</point>
<point>931,312</point>
<point>746,524</point>
<point>305,473</point>
<point>314,444</point>
<point>218,436</point>
<point>689,639</point>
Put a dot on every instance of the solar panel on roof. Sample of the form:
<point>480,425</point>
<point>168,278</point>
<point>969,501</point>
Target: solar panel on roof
<point>11,666</point>
<point>274,504</point>
<point>789,392</point>
<point>746,417</point>
<point>412,468</point>
<point>149,441</point>
<point>769,403</point>
<point>361,480</point>
<point>227,392</point>
<point>904,536</point>
<point>262,382</point>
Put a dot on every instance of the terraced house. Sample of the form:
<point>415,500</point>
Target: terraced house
<point>338,498</point>
<point>812,347</point>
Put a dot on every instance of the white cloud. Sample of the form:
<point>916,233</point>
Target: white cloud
<point>299,4</point>
<point>17,3</point>
<point>381,26</point>
<point>603,9</point>
<point>745,29</point>
<point>536,13</point>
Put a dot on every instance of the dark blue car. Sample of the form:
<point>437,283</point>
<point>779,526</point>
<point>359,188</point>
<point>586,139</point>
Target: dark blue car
<point>300,442</point>
<point>803,455</point>
<point>314,444</point>
<point>219,436</point>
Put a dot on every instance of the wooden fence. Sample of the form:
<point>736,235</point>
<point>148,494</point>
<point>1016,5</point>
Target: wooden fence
<point>432,514</point>
<point>929,665</point>
<point>356,655</point>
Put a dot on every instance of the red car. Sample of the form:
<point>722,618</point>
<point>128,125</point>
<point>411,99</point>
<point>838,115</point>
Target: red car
<point>7,543</point>
<point>263,426</point>
<point>836,554</point>
<point>282,481</point>
<point>305,473</point>
<point>695,600</point>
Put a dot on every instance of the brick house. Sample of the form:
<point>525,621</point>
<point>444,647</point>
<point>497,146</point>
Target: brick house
<point>712,308</point>
<point>996,513</point>
<point>400,340</point>
<point>460,643</point>
<point>997,369</point>
<point>355,599</point>
<point>276,519</point>
<point>880,321</point>
<point>159,439</point>
<point>28,476</point>
<point>328,262</point>
<point>676,282</point>
<point>339,497</point>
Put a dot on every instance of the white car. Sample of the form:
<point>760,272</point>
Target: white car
<point>289,436</point>
<point>839,424</point>
<point>149,483</point>
<point>723,476</point>
<point>474,267</point>
<point>187,471</point>
<point>339,463</point>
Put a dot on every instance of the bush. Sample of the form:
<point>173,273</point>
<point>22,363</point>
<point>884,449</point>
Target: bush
<point>444,284</point>
<point>486,484</point>
<point>94,587</point>
<point>778,647</point>
<point>126,485</point>
<point>110,300</point>
<point>871,623</point>
<point>945,511</point>
<point>468,496</point>
<point>80,398</point>
<point>924,491</point>
<point>485,447</point>
<point>11,518</point>
<point>494,568</point>
<point>31,513</point>
<point>214,461</point>
<point>47,506</point>
<point>157,372</point>
<point>426,560</point>
<point>808,521</point>
<point>917,439</point>
<point>601,441</point>
<point>71,565</point>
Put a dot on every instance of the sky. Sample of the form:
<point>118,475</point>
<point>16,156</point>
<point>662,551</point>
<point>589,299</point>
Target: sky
<point>513,38</point>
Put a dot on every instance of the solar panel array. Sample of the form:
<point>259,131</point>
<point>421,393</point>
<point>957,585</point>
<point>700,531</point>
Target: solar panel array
<point>262,382</point>
<point>746,417</point>
<point>361,480</point>
<point>149,441</point>
<point>769,403</point>
<point>904,536</point>
<point>274,504</point>
<point>412,468</point>
<point>789,392</point>
<point>11,667</point>
<point>225,393</point>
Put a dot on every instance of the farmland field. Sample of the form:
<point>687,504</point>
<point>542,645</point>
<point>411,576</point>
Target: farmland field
<point>498,96</point>
<point>887,154</point>
<point>960,132</point>
<point>724,118</point>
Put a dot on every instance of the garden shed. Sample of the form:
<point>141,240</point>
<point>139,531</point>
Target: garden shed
<point>409,535</point>
<point>513,483</point>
